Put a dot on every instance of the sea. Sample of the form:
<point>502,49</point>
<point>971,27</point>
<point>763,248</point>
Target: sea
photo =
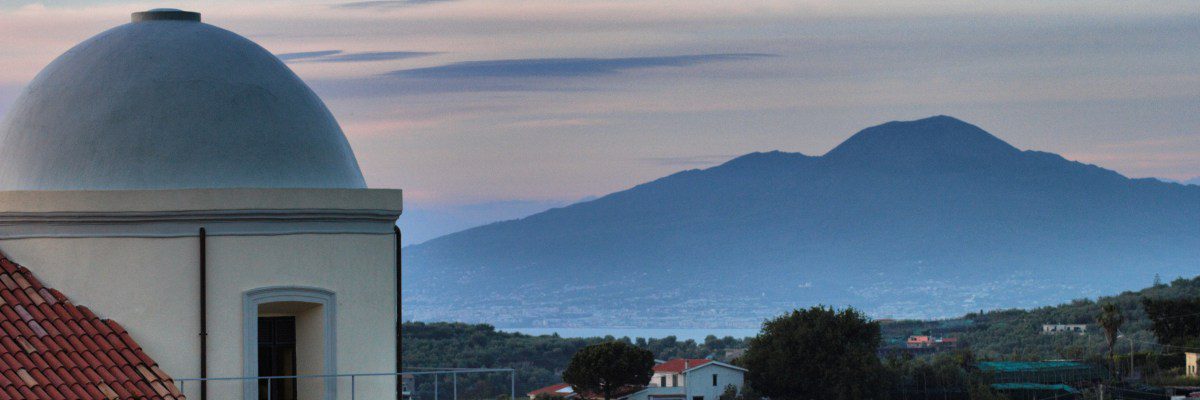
<point>697,334</point>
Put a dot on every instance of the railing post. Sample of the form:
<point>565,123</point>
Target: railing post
<point>513,389</point>
<point>268,388</point>
<point>453,375</point>
<point>351,387</point>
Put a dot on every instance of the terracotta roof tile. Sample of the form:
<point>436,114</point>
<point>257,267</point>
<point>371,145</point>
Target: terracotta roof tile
<point>8,296</point>
<point>20,296</point>
<point>108,391</point>
<point>47,296</point>
<point>34,296</point>
<point>21,281</point>
<point>106,376</point>
<point>53,349</point>
<point>677,365</point>
<point>93,392</point>
<point>8,281</point>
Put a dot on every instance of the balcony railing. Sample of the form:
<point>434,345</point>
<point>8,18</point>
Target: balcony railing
<point>190,386</point>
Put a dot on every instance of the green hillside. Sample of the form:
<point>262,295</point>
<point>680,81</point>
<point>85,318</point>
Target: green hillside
<point>1015,334</point>
<point>539,360</point>
<point>995,335</point>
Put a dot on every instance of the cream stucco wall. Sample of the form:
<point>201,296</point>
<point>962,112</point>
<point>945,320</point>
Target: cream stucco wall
<point>150,285</point>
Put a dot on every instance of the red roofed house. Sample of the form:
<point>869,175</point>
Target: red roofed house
<point>691,379</point>
<point>555,391</point>
<point>181,180</point>
<point>925,341</point>
<point>679,378</point>
<point>919,341</point>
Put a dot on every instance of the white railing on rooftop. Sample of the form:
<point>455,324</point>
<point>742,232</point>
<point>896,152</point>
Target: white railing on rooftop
<point>190,387</point>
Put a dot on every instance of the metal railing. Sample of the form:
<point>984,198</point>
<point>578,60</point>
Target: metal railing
<point>355,377</point>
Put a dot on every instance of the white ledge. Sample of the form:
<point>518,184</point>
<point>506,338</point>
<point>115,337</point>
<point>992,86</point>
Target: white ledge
<point>170,213</point>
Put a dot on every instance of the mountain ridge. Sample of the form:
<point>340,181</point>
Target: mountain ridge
<point>784,228</point>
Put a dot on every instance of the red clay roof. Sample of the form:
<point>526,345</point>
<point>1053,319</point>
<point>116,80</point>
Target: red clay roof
<point>52,349</point>
<point>678,365</point>
<point>552,390</point>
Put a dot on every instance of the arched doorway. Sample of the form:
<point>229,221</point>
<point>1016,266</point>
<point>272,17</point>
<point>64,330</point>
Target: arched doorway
<point>289,330</point>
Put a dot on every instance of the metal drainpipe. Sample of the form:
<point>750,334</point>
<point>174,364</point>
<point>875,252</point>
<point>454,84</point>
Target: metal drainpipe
<point>399,321</point>
<point>203,314</point>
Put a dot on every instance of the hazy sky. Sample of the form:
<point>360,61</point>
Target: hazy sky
<point>471,101</point>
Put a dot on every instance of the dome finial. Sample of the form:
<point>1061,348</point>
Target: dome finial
<point>166,14</point>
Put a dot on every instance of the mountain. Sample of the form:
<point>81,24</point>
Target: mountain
<point>926,218</point>
<point>1193,181</point>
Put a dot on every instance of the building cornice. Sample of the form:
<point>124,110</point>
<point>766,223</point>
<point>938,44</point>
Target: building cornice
<point>173,213</point>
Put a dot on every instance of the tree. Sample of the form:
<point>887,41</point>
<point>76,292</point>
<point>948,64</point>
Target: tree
<point>981,391</point>
<point>730,393</point>
<point>607,367</point>
<point>1110,319</point>
<point>818,353</point>
<point>1176,322</point>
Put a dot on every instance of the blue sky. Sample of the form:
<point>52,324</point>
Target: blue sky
<point>512,103</point>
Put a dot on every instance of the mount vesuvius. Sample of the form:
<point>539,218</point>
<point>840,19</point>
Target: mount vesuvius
<point>925,218</point>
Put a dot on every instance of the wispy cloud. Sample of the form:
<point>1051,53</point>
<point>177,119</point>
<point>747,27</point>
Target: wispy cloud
<point>563,67</point>
<point>339,56</point>
<point>385,4</point>
<point>375,56</point>
<point>306,55</point>
<point>512,75</point>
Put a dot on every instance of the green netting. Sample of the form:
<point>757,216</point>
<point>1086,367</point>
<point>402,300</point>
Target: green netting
<point>1011,366</point>
<point>1041,372</point>
<point>1008,387</point>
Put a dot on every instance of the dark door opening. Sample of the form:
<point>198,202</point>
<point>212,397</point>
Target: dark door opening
<point>277,357</point>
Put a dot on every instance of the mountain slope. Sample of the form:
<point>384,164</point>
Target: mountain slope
<point>907,219</point>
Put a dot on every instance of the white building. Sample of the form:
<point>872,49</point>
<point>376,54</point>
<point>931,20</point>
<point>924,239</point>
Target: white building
<point>1191,364</point>
<point>1051,329</point>
<point>691,379</point>
<point>679,378</point>
<point>185,185</point>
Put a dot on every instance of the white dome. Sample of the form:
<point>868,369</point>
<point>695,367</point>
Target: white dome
<point>168,102</point>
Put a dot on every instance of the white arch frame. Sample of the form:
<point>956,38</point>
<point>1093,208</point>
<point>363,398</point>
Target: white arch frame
<point>251,299</point>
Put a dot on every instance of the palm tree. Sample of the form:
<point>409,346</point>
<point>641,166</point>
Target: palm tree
<point>1110,319</point>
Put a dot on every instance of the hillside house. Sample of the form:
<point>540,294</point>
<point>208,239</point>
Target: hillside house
<point>1190,364</point>
<point>691,379</point>
<point>1053,329</point>
<point>926,342</point>
<point>555,391</point>
<point>675,379</point>
<point>918,341</point>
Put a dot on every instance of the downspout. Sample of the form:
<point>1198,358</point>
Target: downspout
<point>399,322</point>
<point>203,314</point>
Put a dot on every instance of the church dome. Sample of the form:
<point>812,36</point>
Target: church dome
<point>169,102</point>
